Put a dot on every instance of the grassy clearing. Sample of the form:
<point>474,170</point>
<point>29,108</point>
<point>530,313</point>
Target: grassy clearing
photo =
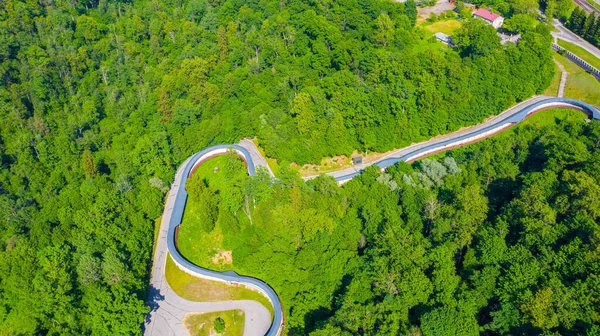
<point>196,289</point>
<point>194,243</point>
<point>337,163</point>
<point>580,84</point>
<point>430,44</point>
<point>552,117</point>
<point>546,118</point>
<point>203,324</point>
<point>552,90</point>
<point>581,53</point>
<point>448,27</point>
<point>198,246</point>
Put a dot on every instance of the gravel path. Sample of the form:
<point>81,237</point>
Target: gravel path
<point>440,7</point>
<point>563,79</point>
<point>258,159</point>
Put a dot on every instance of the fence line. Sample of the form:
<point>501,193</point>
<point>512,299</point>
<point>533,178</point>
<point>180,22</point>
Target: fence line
<point>577,60</point>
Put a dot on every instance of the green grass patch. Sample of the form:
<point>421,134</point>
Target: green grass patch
<point>552,117</point>
<point>200,237</point>
<point>581,53</point>
<point>430,44</point>
<point>546,118</point>
<point>196,289</point>
<point>448,27</point>
<point>552,90</point>
<point>593,3</point>
<point>580,84</point>
<point>204,324</point>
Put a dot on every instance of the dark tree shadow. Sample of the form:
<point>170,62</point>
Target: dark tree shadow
<point>154,299</point>
<point>314,319</point>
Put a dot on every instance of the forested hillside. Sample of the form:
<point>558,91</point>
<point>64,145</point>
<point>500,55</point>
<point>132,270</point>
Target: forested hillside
<point>499,238</point>
<point>101,100</point>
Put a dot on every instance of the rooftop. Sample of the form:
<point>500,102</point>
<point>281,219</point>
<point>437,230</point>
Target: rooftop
<point>443,37</point>
<point>486,14</point>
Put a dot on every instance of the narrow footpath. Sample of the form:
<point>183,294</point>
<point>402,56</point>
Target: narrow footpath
<point>563,79</point>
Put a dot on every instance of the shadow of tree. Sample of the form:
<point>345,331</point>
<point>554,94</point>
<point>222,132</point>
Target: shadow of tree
<point>154,299</point>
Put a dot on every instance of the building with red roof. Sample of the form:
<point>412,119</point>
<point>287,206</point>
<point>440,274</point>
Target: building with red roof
<point>492,18</point>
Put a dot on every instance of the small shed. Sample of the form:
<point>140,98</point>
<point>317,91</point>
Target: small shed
<point>445,39</point>
<point>357,160</point>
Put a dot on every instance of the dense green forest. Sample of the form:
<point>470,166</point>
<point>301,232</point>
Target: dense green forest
<point>101,100</point>
<point>501,237</point>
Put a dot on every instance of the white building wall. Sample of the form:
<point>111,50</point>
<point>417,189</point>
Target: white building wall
<point>498,22</point>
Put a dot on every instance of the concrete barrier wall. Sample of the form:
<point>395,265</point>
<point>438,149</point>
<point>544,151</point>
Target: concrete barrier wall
<point>178,189</point>
<point>577,60</point>
<point>176,215</point>
<point>482,133</point>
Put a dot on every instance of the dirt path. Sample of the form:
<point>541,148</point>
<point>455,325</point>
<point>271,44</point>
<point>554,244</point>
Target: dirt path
<point>563,79</point>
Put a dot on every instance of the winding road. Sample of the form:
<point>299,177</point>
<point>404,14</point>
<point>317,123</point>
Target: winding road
<point>168,309</point>
<point>586,6</point>
<point>567,35</point>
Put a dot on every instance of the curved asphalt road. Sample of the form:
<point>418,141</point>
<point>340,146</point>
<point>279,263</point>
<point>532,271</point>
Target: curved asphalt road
<point>167,309</point>
<point>468,135</point>
<point>569,36</point>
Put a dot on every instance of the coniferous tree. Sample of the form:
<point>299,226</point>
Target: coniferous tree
<point>588,26</point>
<point>577,20</point>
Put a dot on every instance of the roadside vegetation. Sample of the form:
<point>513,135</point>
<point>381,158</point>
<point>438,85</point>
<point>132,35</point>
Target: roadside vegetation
<point>580,84</point>
<point>552,89</point>
<point>473,239</point>
<point>225,323</point>
<point>581,53</point>
<point>196,289</point>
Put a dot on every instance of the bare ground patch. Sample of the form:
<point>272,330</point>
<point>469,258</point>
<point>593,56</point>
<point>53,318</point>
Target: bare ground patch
<point>223,258</point>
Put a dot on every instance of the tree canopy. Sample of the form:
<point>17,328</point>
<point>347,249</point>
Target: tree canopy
<point>101,100</point>
<point>500,237</point>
